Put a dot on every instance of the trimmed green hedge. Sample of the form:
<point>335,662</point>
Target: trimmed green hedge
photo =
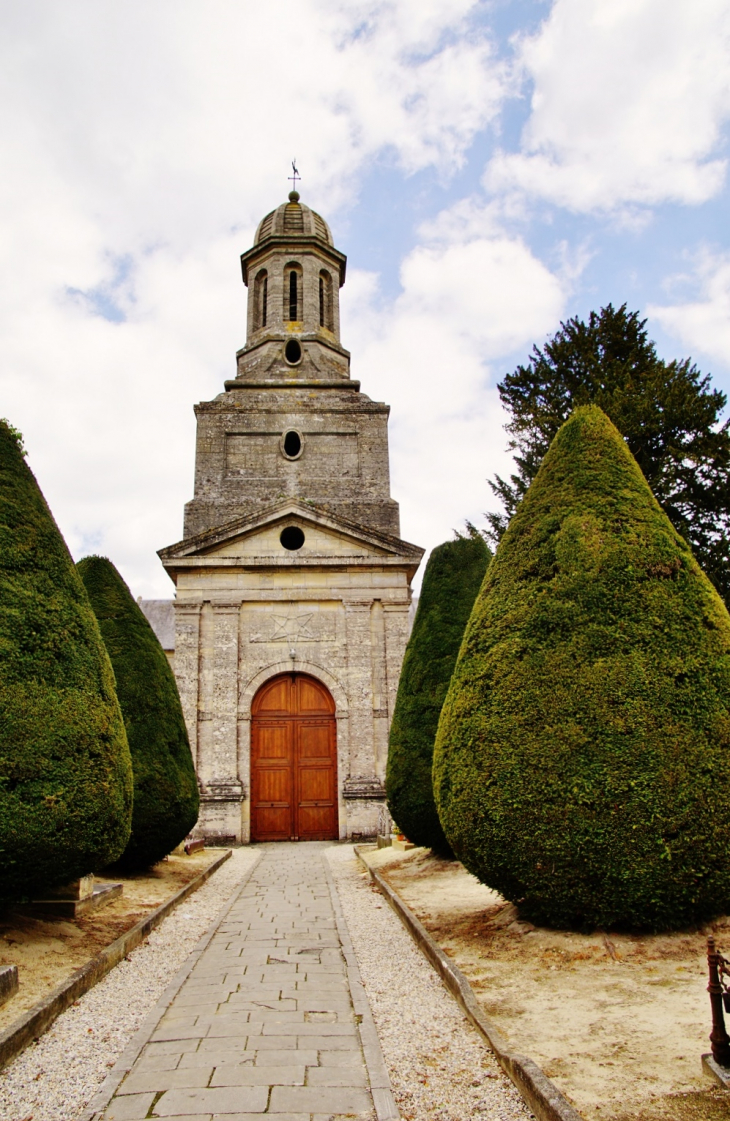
<point>453,576</point>
<point>582,758</point>
<point>65,769</point>
<point>166,799</point>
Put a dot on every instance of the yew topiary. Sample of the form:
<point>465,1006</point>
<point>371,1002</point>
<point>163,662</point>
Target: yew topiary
<point>166,796</point>
<point>65,769</point>
<point>453,576</point>
<point>582,762</point>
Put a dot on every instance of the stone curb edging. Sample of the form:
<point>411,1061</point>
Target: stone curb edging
<point>380,1087</point>
<point>39,1018</point>
<point>131,1052</point>
<point>541,1095</point>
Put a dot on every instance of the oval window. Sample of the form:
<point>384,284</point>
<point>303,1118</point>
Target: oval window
<point>292,444</point>
<point>292,537</point>
<point>293,352</point>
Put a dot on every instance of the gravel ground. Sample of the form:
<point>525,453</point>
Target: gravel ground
<point>440,1069</point>
<point>55,1078</point>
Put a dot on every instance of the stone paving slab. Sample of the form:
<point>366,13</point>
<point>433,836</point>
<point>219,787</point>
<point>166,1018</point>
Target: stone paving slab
<point>272,1020</point>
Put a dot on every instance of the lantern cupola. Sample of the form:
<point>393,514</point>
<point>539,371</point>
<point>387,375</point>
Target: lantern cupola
<point>293,273</point>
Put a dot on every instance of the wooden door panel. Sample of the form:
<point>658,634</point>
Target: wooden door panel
<point>317,779</point>
<point>316,784</point>
<point>317,823</point>
<point>272,780</point>
<point>315,740</point>
<point>274,785</point>
<point>272,742</point>
<point>272,824</point>
<point>274,697</point>
<point>312,697</point>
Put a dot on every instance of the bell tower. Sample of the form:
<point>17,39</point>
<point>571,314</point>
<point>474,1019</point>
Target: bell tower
<point>294,275</point>
<point>292,423</point>
<point>293,584</point>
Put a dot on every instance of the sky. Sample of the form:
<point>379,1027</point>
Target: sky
<point>490,169</point>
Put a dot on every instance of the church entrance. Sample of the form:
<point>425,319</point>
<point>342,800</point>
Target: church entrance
<point>293,761</point>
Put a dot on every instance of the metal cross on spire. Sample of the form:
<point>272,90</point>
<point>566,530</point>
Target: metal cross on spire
<point>293,178</point>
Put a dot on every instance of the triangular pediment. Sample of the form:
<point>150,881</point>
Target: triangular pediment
<point>263,535</point>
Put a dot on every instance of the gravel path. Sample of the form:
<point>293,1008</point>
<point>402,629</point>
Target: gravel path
<point>439,1067</point>
<point>54,1079</point>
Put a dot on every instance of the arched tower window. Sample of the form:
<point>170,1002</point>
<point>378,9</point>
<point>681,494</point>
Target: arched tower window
<point>325,301</point>
<point>293,294</point>
<point>261,299</point>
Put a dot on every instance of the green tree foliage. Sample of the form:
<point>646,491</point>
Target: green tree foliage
<point>166,796</point>
<point>65,769</point>
<point>581,762</point>
<point>453,576</point>
<point>666,411</point>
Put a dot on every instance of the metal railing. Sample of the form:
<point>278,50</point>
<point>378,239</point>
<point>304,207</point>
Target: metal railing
<point>718,967</point>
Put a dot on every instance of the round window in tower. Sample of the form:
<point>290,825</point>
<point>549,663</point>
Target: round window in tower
<point>292,538</point>
<point>292,444</point>
<point>293,352</point>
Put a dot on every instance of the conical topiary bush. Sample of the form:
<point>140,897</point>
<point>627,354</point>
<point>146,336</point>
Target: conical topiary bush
<point>581,762</point>
<point>453,576</point>
<point>165,788</point>
<point>65,770</point>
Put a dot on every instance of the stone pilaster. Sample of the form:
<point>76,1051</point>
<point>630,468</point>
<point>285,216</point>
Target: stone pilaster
<point>359,675</point>
<point>396,640</point>
<point>222,790</point>
<point>187,639</point>
<point>243,724</point>
<point>205,761</point>
<point>225,693</point>
<point>379,688</point>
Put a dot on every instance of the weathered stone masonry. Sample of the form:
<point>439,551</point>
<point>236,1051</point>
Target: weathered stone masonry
<point>291,446</point>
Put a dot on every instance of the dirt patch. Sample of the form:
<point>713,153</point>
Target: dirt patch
<point>46,952</point>
<point>619,1023</point>
<point>706,1105</point>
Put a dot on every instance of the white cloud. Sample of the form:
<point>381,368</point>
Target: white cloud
<point>433,355</point>
<point>703,323</point>
<point>140,145</point>
<point>628,105</point>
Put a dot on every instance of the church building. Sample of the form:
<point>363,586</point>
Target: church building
<point>292,583</point>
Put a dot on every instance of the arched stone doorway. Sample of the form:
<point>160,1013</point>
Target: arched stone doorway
<point>293,761</point>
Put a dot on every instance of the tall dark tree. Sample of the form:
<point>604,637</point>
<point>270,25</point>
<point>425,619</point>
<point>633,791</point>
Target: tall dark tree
<point>666,411</point>
<point>65,770</point>
<point>165,789</point>
<point>453,576</point>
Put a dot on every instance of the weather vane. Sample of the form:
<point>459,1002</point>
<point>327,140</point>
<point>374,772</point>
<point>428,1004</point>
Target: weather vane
<point>293,178</point>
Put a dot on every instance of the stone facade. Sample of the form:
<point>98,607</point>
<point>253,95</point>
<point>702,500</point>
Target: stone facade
<point>290,452</point>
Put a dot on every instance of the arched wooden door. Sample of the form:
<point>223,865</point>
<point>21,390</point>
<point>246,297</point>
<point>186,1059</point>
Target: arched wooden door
<point>293,761</point>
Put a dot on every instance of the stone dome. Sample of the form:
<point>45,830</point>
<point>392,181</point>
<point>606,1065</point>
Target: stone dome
<point>293,220</point>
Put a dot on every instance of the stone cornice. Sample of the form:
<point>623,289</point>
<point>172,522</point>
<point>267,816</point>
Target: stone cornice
<point>294,244</point>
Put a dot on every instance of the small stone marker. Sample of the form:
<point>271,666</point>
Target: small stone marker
<point>8,982</point>
<point>82,888</point>
<point>72,900</point>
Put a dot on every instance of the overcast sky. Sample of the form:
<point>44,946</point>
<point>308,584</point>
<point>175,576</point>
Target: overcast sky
<point>489,168</point>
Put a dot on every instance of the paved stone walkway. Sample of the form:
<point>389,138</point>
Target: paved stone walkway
<point>272,1019</point>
